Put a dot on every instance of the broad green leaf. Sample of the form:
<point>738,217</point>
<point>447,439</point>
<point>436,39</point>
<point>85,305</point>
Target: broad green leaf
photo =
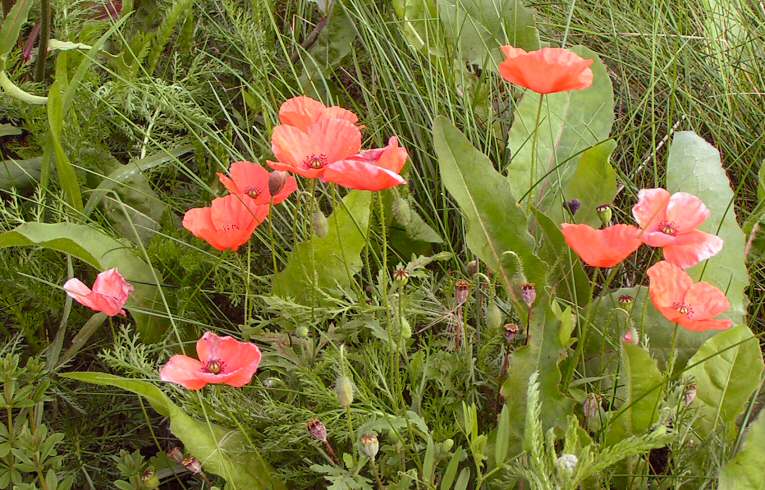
<point>11,27</point>
<point>503,436</point>
<point>55,44</point>
<point>320,266</point>
<point>20,174</point>
<point>9,130</point>
<point>694,166</point>
<point>566,273</point>
<point>495,222</point>
<point>570,123</point>
<point>420,25</point>
<point>593,183</point>
<point>542,355</point>
<point>727,371</point>
<point>223,452</point>
<point>744,471</point>
<point>641,386</point>
<point>479,27</point>
<point>102,252</point>
<point>451,469</point>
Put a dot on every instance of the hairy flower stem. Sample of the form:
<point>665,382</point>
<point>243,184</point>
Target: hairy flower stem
<point>271,234</point>
<point>351,433</point>
<point>376,473</point>
<point>534,141</point>
<point>394,358</point>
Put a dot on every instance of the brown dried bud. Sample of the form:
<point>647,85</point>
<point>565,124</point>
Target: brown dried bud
<point>511,332</point>
<point>175,454</point>
<point>529,294</point>
<point>193,465</point>
<point>276,181</point>
<point>690,393</point>
<point>472,268</point>
<point>369,445</point>
<point>317,430</point>
<point>461,290</point>
<point>591,405</point>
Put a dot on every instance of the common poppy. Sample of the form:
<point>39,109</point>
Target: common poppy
<point>109,294</point>
<point>301,112</point>
<point>222,360</point>
<point>691,305</point>
<point>602,248</point>
<point>228,223</point>
<point>547,70</point>
<point>370,170</point>
<point>253,180</point>
<point>670,222</point>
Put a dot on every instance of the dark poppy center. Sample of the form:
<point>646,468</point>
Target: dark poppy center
<point>668,229</point>
<point>683,309</point>
<point>253,192</point>
<point>214,366</point>
<point>315,161</point>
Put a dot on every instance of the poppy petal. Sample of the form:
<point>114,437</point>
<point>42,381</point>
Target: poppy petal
<point>250,179</point>
<point>602,248</point>
<point>691,248</point>
<point>111,283</point>
<point>336,139</point>
<point>650,209</point>
<point>547,70</point>
<point>308,173</point>
<point>704,325</point>
<point>185,371</point>
<point>291,145</point>
<point>290,186</point>
<point>705,301</point>
<point>667,288</point>
<point>353,174</point>
<point>199,222</point>
<point>686,211</point>
<point>300,112</point>
<point>228,183</point>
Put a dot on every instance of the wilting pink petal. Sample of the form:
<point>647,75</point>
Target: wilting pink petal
<point>109,294</point>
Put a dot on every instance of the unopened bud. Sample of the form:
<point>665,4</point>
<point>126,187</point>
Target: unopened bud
<point>276,181</point>
<point>461,290</point>
<point>494,315</point>
<point>472,268</point>
<point>369,445</point>
<point>302,332</point>
<point>402,213</point>
<point>317,430</point>
<point>193,465</point>
<point>604,213</point>
<point>690,393</point>
<point>344,391</point>
<point>632,336</point>
<point>319,224</point>
<point>175,454</point>
<point>529,294</point>
<point>591,405</point>
<point>406,329</point>
<point>572,206</point>
<point>566,464</point>
<point>511,332</point>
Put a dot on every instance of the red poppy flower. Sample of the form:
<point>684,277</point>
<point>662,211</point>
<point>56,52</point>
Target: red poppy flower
<point>252,180</point>
<point>692,306</point>
<point>222,360</point>
<point>302,112</point>
<point>670,222</point>
<point>546,71</point>
<point>308,151</point>
<point>602,248</point>
<point>109,294</point>
<point>370,170</point>
<point>228,223</point>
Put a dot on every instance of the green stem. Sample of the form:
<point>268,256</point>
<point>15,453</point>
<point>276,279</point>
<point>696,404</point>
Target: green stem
<point>351,435</point>
<point>271,235</point>
<point>42,50</point>
<point>377,474</point>
<point>13,91</point>
<point>534,141</point>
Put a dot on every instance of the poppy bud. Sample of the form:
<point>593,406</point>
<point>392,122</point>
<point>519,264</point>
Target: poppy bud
<point>472,268</point>
<point>529,294</point>
<point>401,274</point>
<point>175,454</point>
<point>406,329</point>
<point>317,430</point>
<point>494,315</point>
<point>626,301</point>
<point>591,405</point>
<point>276,181</point>
<point>402,213</point>
<point>604,213</point>
<point>150,479</point>
<point>369,445</point>
<point>511,331</point>
<point>319,224</point>
<point>302,332</point>
<point>690,393</point>
<point>566,464</point>
<point>461,290</point>
<point>344,391</point>
<point>632,336</point>
<point>572,206</point>
<point>193,465</point>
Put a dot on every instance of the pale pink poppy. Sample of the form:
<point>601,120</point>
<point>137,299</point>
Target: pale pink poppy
<point>109,294</point>
<point>370,170</point>
<point>670,222</point>
<point>222,360</point>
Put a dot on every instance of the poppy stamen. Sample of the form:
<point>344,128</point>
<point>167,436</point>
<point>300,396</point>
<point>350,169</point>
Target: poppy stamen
<point>315,161</point>
<point>668,229</point>
<point>214,366</point>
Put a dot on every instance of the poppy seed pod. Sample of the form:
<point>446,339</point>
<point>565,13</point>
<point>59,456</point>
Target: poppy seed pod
<point>461,290</point>
<point>626,301</point>
<point>317,430</point>
<point>400,274</point>
<point>529,294</point>
<point>402,213</point>
<point>193,465</point>
<point>149,478</point>
<point>605,213</point>
<point>344,391</point>
<point>319,224</point>
<point>511,332</point>
<point>369,445</point>
<point>175,454</point>
<point>472,268</point>
<point>276,181</point>
<point>690,393</point>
